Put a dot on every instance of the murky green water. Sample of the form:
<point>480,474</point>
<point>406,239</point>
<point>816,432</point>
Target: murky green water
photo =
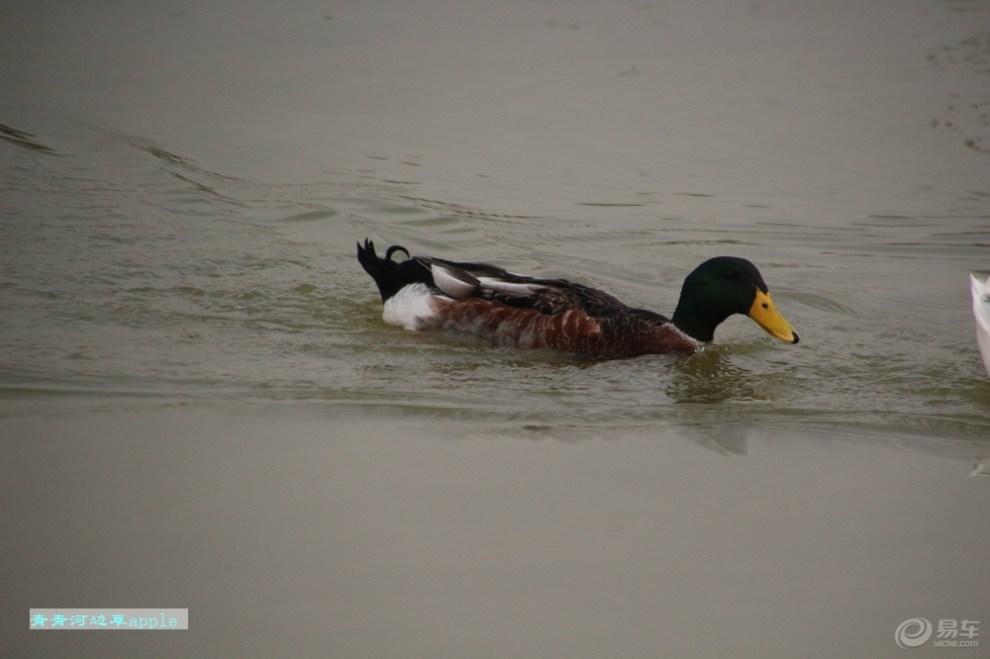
<point>134,271</point>
<point>183,186</point>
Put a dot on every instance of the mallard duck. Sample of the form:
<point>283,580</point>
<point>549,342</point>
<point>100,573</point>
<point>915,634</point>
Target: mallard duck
<point>426,293</point>
<point>981,309</point>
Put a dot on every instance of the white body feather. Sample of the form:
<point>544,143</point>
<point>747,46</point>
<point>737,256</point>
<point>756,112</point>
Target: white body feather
<point>411,308</point>
<point>981,310</point>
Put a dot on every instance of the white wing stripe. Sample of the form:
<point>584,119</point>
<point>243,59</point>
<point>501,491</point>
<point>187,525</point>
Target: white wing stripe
<point>508,287</point>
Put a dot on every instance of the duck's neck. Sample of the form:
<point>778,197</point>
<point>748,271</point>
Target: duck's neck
<point>696,320</point>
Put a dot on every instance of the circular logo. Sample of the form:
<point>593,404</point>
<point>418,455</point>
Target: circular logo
<point>913,632</point>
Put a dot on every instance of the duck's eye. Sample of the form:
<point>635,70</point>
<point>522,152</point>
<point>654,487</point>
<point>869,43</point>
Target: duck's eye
<point>732,275</point>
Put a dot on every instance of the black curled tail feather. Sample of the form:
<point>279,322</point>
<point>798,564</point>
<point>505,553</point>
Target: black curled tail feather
<point>389,275</point>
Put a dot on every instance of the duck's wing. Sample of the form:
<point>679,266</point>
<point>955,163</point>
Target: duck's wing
<point>484,281</point>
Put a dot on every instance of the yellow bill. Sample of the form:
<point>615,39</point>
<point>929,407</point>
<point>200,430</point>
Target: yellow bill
<point>766,316</point>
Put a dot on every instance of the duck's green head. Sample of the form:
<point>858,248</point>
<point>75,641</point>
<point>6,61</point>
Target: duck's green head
<point>720,287</point>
